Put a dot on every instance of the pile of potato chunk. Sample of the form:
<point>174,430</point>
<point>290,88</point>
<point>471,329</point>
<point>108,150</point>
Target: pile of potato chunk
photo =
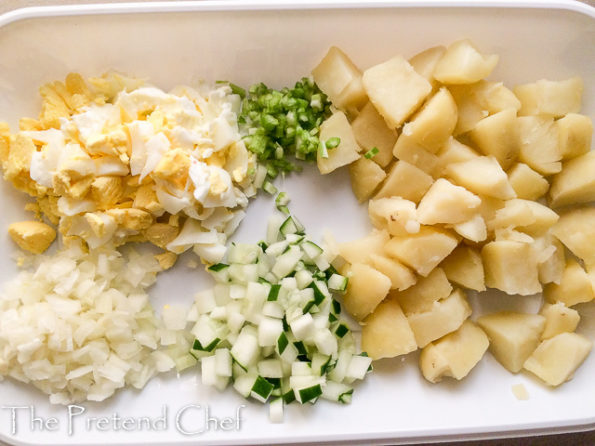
<point>471,185</point>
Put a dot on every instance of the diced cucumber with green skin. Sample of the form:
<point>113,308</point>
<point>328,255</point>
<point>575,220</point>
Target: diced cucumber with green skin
<point>286,262</point>
<point>218,267</point>
<point>277,248</point>
<point>358,367</point>
<point>341,330</point>
<point>321,263</point>
<point>269,331</point>
<point>340,370</point>
<point>288,227</point>
<point>337,392</point>
<point>260,176</point>
<point>302,327</point>
<point>326,342</point>
<point>338,283</point>
<point>299,368</point>
<point>336,308</point>
<point>332,318</point>
<point>282,199</point>
<point>273,309</point>
<point>243,274</point>
<point>320,363</point>
<point>303,278</point>
<point>243,253</point>
<point>209,374</point>
<point>294,239</point>
<point>268,187</point>
<point>308,394</point>
<point>261,389</point>
<point>274,292</point>
<point>276,410</point>
<point>245,350</point>
<point>207,348</point>
<point>311,249</point>
<point>243,384</point>
<point>223,362</point>
<point>270,368</point>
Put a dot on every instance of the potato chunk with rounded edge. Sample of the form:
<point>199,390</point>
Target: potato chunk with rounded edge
<point>455,354</point>
<point>527,183</point>
<point>575,184</point>
<point>465,268</point>
<point>386,332</point>
<point>365,176</point>
<point>551,258</point>
<point>513,336</point>
<point>367,287</point>
<point>371,131</point>
<point>340,79</point>
<point>434,123</point>
<point>483,176</point>
<point>574,135</point>
<point>422,251</point>
<point>359,250</point>
<point>406,149</point>
<point>421,296</point>
<point>32,236</point>
<point>406,181</point>
<point>574,288</point>
<point>577,231</point>
<point>424,63</point>
<point>538,144</point>
<point>400,276</point>
<point>337,126</point>
<point>550,98</point>
<point>463,64</point>
<point>495,136</point>
<point>558,319</point>
<point>555,360</point>
<point>395,89</point>
<point>446,316</point>
<point>473,229</point>
<point>454,152</point>
<point>394,214</point>
<point>510,266</point>
<point>447,203</point>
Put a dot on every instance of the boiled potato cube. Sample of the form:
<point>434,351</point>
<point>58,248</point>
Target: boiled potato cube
<point>524,215</point>
<point>406,149</point>
<point>434,123</point>
<point>400,276</point>
<point>473,229</point>
<point>406,181</point>
<point>337,126</point>
<point>576,183</point>
<point>455,354</point>
<point>446,316</point>
<point>394,214</point>
<point>365,176</point>
<point>422,251</point>
<point>463,64</point>
<point>494,97</point>
<point>527,183</point>
<point>495,136</point>
<point>551,98</point>
<point>359,251</point>
<point>338,77</point>
<point>367,287</point>
<point>558,319</point>
<point>454,152</point>
<point>512,235</point>
<point>574,288</point>
<point>538,144</point>
<point>482,175</point>
<point>470,111</point>
<point>510,266</point>
<point>447,203</point>
<point>386,332</point>
<point>371,131</point>
<point>555,360</point>
<point>576,230</point>
<point>574,135</point>
<point>421,296</point>
<point>395,89</point>
<point>465,268</point>
<point>513,336</point>
<point>425,62</point>
<point>551,258</point>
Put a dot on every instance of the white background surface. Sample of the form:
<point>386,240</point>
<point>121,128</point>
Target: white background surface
<point>278,47</point>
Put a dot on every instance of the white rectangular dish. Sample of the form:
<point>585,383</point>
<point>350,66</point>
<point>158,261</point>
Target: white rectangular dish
<point>174,43</point>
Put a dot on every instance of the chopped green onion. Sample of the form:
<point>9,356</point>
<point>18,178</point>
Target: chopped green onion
<point>269,187</point>
<point>371,153</point>
<point>333,142</point>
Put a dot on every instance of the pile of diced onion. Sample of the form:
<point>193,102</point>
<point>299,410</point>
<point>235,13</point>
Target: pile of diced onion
<point>79,325</point>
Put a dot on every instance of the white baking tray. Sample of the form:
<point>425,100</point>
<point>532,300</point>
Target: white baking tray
<point>180,42</point>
